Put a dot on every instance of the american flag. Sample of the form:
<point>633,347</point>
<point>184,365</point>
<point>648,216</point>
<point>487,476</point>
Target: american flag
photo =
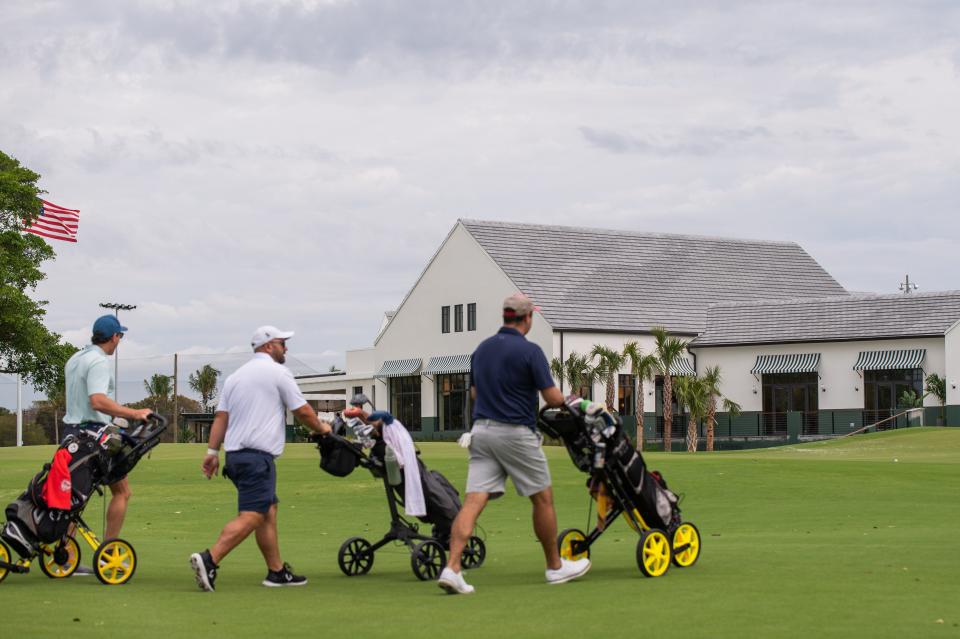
<point>56,222</point>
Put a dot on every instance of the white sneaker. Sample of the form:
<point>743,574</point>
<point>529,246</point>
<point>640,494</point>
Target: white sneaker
<point>454,583</point>
<point>568,571</point>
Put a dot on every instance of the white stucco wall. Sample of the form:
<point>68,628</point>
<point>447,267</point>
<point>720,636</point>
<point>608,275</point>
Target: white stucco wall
<point>952,364</point>
<point>843,386</point>
<point>460,273</point>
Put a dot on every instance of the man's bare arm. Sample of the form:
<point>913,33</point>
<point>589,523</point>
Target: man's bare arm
<point>103,404</point>
<point>552,396</point>
<point>219,430</point>
<point>309,417</point>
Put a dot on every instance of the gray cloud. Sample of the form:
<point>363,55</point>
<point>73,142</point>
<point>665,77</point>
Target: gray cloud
<point>297,163</point>
<point>696,142</point>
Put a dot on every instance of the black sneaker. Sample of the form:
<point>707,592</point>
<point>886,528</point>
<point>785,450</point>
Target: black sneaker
<point>204,569</point>
<point>283,577</point>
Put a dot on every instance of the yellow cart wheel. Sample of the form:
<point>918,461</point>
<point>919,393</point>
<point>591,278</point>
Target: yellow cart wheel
<point>5,557</point>
<point>653,553</point>
<point>686,545</point>
<point>565,544</point>
<point>59,561</point>
<point>114,562</point>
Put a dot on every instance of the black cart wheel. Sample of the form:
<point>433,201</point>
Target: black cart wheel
<point>115,562</point>
<point>569,544</point>
<point>6,557</point>
<point>61,560</point>
<point>355,557</point>
<point>474,553</point>
<point>427,560</point>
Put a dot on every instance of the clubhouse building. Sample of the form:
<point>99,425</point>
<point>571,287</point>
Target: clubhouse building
<point>798,352</point>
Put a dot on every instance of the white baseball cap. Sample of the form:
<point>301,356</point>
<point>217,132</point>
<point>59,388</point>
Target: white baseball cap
<point>266,333</point>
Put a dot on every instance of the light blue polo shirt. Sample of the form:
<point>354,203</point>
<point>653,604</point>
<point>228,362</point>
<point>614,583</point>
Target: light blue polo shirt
<point>87,373</point>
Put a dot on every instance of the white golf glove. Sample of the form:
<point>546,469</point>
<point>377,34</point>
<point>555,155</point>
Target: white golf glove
<point>464,440</point>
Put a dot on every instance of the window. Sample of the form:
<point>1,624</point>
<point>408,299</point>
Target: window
<point>458,318</point>
<point>471,317</point>
<point>625,395</point>
<point>453,402</point>
<point>405,400</point>
<point>883,391</point>
<point>357,390</point>
<point>788,392</point>
<point>444,319</point>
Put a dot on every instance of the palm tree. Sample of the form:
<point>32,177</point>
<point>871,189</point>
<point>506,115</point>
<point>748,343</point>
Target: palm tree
<point>159,386</point>
<point>937,386</point>
<point>693,393</point>
<point>556,368</point>
<point>578,372</point>
<point>204,382</point>
<point>669,350</point>
<point>609,365</point>
<point>642,367</point>
<point>711,379</point>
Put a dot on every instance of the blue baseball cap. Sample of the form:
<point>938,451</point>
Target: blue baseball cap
<point>107,326</point>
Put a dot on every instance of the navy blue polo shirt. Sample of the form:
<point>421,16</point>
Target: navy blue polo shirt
<point>508,372</point>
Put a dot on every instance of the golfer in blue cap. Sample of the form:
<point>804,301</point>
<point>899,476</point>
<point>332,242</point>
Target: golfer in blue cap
<point>89,386</point>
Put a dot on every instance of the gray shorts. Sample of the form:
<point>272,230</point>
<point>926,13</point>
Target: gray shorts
<point>500,450</point>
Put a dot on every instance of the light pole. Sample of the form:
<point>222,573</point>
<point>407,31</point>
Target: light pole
<point>116,354</point>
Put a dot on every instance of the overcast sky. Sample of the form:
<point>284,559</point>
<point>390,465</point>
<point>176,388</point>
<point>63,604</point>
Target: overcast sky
<point>297,163</point>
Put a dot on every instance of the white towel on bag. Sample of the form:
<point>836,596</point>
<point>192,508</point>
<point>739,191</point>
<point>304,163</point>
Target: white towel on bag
<point>398,438</point>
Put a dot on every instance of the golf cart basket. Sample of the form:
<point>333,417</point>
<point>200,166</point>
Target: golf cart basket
<point>340,456</point>
<point>621,484</point>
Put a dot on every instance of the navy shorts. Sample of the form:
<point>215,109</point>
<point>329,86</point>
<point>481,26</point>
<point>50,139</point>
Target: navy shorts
<point>254,474</point>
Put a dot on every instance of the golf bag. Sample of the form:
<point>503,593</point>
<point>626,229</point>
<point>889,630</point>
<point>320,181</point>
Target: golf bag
<point>31,520</point>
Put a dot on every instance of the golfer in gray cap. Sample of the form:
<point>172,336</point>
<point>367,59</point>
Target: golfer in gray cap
<point>507,373</point>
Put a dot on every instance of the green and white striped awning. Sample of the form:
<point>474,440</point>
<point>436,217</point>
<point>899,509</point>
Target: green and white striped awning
<point>448,365</point>
<point>804,363</point>
<point>399,367</point>
<point>886,360</point>
<point>682,367</point>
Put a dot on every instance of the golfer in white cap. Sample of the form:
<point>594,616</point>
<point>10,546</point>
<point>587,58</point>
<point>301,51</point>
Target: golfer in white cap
<point>250,423</point>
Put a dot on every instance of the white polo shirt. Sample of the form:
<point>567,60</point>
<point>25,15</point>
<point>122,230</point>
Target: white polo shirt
<point>256,397</point>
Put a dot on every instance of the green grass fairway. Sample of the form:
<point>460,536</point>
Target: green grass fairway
<point>849,538</point>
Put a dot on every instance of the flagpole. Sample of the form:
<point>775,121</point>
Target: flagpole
<point>19,411</point>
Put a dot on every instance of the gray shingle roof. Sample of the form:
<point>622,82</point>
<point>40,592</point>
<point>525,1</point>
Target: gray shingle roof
<point>832,318</point>
<point>606,280</point>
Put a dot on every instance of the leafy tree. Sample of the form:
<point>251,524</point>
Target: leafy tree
<point>25,343</point>
<point>937,386</point>
<point>184,404</point>
<point>669,350</point>
<point>609,364</point>
<point>711,379</point>
<point>642,367</point>
<point>204,382</point>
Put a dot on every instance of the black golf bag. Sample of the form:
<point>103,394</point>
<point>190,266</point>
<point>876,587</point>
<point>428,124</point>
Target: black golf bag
<point>30,521</point>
